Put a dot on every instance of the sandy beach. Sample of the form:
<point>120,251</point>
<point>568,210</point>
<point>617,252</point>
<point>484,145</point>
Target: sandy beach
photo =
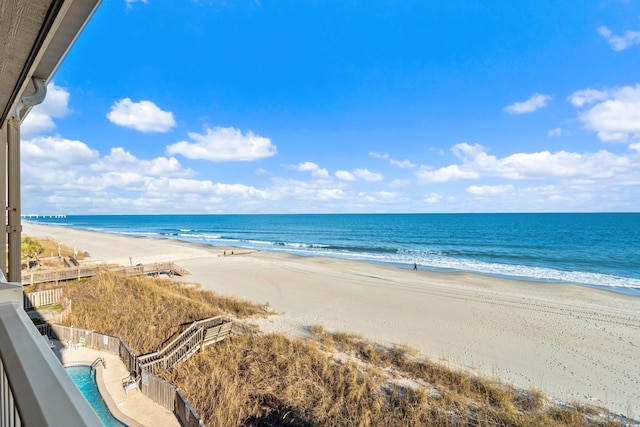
<point>572,342</point>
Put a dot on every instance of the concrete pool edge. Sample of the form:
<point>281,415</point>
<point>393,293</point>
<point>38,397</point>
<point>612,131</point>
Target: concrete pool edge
<point>106,397</point>
<point>136,405</point>
<point>108,400</point>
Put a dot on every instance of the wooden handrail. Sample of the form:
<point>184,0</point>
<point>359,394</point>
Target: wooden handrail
<point>70,273</point>
<point>197,336</point>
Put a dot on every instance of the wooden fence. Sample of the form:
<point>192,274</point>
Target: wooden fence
<point>38,299</point>
<point>73,273</point>
<point>208,331</point>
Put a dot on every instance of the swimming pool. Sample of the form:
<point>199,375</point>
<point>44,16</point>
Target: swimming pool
<point>81,375</point>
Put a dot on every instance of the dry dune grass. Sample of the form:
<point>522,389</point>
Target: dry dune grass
<point>271,380</point>
<point>328,379</point>
<point>144,311</point>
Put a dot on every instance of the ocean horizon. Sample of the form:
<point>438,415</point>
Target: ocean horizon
<point>600,250</point>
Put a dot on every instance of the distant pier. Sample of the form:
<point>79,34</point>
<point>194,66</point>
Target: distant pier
<point>36,216</point>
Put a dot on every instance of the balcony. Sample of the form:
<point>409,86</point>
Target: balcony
<point>35,390</point>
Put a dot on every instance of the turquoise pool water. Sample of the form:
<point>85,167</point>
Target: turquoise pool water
<point>81,375</point>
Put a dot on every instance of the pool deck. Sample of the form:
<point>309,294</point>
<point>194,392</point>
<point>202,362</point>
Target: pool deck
<point>134,409</point>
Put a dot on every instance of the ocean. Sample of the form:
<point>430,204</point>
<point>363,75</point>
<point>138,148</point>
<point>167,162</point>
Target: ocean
<point>600,250</point>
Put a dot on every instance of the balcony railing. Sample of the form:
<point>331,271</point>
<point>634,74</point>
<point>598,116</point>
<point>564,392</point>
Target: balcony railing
<point>35,390</point>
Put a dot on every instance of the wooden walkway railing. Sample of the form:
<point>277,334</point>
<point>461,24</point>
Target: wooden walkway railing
<point>72,273</point>
<point>193,339</point>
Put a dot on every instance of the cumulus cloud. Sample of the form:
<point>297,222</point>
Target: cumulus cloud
<point>40,118</point>
<point>580,98</point>
<point>433,198</point>
<point>62,172</point>
<point>345,176</point>
<point>307,166</point>
<point>383,197</point>
<point>121,160</point>
<point>554,132</point>
<point>326,194</point>
<point>399,183</point>
<point>613,113</point>
<point>143,116</point>
<point>536,101</point>
<point>57,150</point>
<point>223,145</point>
<point>130,2</point>
<point>320,174</point>
<point>363,174</point>
<point>489,190</point>
<point>619,43</point>
<point>56,163</point>
<point>367,175</point>
<point>403,164</point>
<point>449,173</point>
<point>315,170</point>
<point>476,163</point>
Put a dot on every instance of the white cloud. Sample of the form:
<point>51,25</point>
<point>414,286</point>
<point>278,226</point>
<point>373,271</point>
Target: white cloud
<point>68,168</point>
<point>465,150</point>
<point>307,166</point>
<point>614,113</point>
<point>403,164</point>
<point>331,194</point>
<point>399,183</point>
<point>143,116</point>
<point>315,170</point>
<point>40,118</point>
<point>489,190</point>
<point>378,155</point>
<point>445,174</point>
<point>529,106</point>
<point>476,163</point>
<point>345,176</point>
<point>321,174</point>
<point>384,197</point>
<point>130,2</point>
<point>56,150</point>
<point>367,175</point>
<point>120,160</point>
<point>554,132</point>
<point>580,98</point>
<point>60,172</point>
<point>433,198</point>
<point>619,43</point>
<point>224,144</point>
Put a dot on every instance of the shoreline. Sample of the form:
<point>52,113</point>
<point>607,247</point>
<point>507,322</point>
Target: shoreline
<point>570,341</point>
<point>621,290</point>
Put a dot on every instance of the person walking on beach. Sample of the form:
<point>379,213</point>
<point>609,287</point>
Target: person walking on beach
<point>415,266</point>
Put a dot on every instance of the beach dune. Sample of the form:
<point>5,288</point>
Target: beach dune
<point>572,342</point>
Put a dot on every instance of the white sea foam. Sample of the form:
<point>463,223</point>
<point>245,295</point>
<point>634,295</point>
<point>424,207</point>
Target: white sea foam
<point>436,260</point>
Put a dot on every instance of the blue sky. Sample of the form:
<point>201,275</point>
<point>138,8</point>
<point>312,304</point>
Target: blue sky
<point>304,106</point>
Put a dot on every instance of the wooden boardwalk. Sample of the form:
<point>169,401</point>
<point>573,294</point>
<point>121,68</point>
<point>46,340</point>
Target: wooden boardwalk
<point>73,273</point>
<point>193,339</point>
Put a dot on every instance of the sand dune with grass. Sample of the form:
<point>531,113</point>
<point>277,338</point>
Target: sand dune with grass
<point>571,342</point>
